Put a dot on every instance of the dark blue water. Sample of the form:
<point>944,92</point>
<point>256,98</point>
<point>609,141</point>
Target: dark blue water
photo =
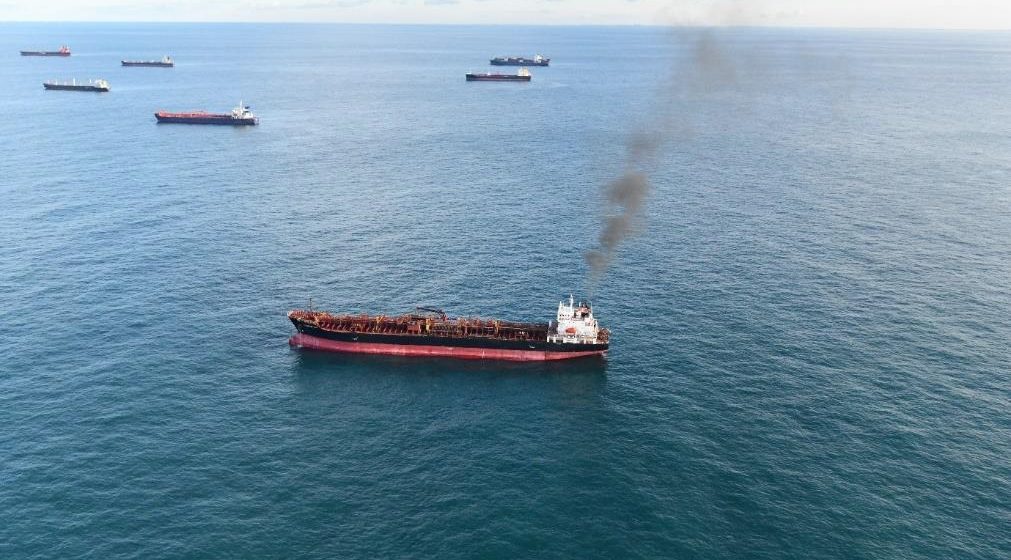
<point>811,328</point>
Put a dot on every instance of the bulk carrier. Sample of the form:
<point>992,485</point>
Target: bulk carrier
<point>519,61</point>
<point>523,75</point>
<point>64,51</point>
<point>428,332</point>
<point>74,85</point>
<point>165,62</point>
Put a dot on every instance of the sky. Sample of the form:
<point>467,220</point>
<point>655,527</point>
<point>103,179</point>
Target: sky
<point>932,14</point>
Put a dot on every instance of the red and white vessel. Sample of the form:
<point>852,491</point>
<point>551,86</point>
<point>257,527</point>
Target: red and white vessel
<point>428,332</point>
<point>64,51</point>
<point>240,116</point>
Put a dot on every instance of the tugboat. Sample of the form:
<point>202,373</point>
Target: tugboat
<point>428,332</point>
<point>523,75</point>
<point>91,85</point>
<point>165,62</point>
<point>64,51</point>
<point>537,60</point>
<point>240,115</point>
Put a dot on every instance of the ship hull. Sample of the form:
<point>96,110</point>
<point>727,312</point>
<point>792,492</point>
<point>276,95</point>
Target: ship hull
<point>494,62</point>
<point>66,87</point>
<point>44,53</point>
<point>505,78</point>
<point>307,341</point>
<point>218,120</point>
<point>151,64</point>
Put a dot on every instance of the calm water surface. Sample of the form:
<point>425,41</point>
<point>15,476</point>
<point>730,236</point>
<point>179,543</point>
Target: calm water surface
<point>811,328</point>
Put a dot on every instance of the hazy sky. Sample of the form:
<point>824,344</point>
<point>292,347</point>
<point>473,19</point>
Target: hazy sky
<point>972,14</point>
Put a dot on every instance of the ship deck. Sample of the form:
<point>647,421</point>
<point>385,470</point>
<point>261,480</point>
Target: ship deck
<point>418,324</point>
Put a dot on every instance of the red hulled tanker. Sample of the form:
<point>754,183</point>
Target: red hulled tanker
<point>428,332</point>
<point>240,116</point>
<point>64,51</point>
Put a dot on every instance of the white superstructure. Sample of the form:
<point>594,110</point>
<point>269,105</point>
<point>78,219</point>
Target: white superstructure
<point>242,112</point>
<point>576,324</point>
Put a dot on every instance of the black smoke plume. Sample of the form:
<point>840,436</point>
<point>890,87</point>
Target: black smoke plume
<point>708,69</point>
<point>625,198</point>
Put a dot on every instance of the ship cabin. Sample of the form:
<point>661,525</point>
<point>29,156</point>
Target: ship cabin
<point>576,324</point>
<point>243,111</point>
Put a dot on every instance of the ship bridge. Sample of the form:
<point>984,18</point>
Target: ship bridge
<point>577,325</point>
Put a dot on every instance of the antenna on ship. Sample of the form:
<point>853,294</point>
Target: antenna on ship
<point>310,303</point>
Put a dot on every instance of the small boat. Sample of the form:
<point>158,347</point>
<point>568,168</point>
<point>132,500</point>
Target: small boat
<point>537,60</point>
<point>74,85</point>
<point>240,115</point>
<point>64,51</point>
<point>165,62</point>
<point>523,75</point>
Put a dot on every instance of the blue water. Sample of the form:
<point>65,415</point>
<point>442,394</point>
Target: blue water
<point>810,354</point>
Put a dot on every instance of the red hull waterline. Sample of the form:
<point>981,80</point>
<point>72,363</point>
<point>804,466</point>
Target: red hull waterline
<point>301,340</point>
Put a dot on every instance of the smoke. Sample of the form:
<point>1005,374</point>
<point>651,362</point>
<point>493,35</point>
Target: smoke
<point>627,196</point>
<point>707,70</point>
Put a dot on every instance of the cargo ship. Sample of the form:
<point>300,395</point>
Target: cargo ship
<point>428,332</point>
<point>523,75</point>
<point>165,62</point>
<point>239,116</point>
<point>64,51</point>
<point>92,85</point>
<point>537,60</point>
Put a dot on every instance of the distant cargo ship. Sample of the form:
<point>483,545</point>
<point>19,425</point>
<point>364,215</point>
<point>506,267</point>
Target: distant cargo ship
<point>64,51</point>
<point>523,75</point>
<point>92,85</point>
<point>239,116</point>
<point>165,62</point>
<point>537,60</point>
<point>428,332</point>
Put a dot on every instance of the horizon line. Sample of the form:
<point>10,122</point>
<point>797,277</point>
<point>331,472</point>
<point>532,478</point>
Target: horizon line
<point>533,24</point>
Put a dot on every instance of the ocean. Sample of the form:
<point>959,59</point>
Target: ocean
<point>811,313</point>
